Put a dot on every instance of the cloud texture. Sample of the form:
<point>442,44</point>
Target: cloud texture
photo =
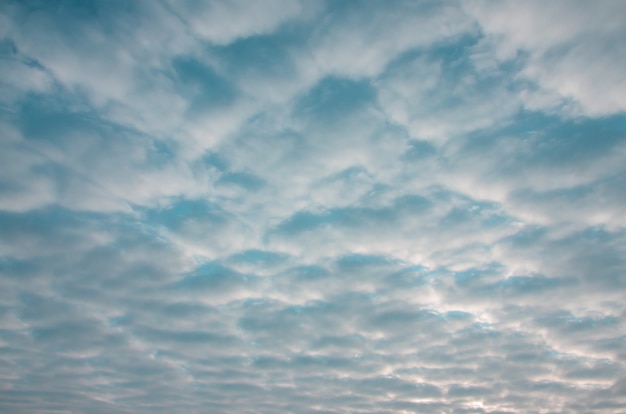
<point>312,207</point>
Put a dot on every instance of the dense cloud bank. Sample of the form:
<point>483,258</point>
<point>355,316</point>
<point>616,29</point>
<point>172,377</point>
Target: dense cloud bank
<point>312,207</point>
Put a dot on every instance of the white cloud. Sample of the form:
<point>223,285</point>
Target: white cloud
<point>437,104</point>
<point>362,42</point>
<point>223,22</point>
<point>566,50</point>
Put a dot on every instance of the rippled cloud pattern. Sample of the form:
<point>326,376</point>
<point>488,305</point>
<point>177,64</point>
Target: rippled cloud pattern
<point>287,206</point>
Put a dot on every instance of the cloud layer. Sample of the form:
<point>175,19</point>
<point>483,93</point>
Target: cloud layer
<point>312,207</point>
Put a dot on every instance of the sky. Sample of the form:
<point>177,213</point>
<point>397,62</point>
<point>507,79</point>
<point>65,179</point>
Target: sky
<point>306,207</point>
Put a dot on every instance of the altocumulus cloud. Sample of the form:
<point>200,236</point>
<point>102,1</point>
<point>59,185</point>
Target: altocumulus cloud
<point>312,207</point>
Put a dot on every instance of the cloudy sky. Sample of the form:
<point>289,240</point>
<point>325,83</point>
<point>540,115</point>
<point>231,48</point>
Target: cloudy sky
<point>312,206</point>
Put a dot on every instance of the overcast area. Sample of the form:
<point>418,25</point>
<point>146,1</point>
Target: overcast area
<point>317,206</point>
